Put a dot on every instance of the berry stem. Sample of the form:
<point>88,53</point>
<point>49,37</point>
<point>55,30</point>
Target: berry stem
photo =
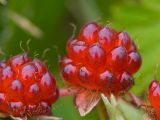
<point>67,92</point>
<point>137,101</point>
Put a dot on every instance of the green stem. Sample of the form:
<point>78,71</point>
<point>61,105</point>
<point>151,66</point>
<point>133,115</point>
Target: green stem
<point>101,111</point>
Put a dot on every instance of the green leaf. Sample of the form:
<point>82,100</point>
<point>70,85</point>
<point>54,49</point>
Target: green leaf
<point>120,110</point>
<point>130,112</point>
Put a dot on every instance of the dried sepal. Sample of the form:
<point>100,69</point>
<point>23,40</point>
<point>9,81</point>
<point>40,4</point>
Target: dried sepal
<point>86,101</point>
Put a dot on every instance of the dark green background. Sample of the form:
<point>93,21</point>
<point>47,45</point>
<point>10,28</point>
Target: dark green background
<point>141,18</point>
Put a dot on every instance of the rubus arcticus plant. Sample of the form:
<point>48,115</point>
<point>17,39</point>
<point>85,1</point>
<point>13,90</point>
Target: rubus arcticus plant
<point>99,60</point>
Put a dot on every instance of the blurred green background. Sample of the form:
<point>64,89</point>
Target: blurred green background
<point>47,24</point>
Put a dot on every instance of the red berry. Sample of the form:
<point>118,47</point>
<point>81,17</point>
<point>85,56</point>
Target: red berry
<point>134,62</point>
<point>154,96</point>
<point>101,59</point>
<point>18,60</point>
<point>76,50</point>
<point>106,80</point>
<point>86,77</point>
<point>70,73</point>
<point>31,89</point>
<point>117,58</point>
<point>96,55</point>
<point>107,38</point>
<point>125,81</point>
<point>124,39</point>
<point>2,64</point>
<point>89,33</point>
<point>64,61</point>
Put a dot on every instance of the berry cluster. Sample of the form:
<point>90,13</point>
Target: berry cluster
<point>26,87</point>
<point>101,59</point>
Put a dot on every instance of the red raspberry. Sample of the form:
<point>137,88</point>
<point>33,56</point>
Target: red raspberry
<point>101,59</point>
<point>26,87</point>
<point>154,96</point>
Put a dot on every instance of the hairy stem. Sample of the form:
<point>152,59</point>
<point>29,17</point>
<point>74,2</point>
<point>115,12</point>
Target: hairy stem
<point>67,92</point>
<point>137,101</point>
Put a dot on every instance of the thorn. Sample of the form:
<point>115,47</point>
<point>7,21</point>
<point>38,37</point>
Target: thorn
<point>57,52</point>
<point>22,46</point>
<point>27,43</point>
<point>74,29</point>
<point>45,52</point>
<point>35,54</point>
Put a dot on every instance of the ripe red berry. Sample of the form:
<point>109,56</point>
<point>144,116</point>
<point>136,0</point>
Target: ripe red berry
<point>154,96</point>
<point>89,33</point>
<point>26,87</point>
<point>101,59</point>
